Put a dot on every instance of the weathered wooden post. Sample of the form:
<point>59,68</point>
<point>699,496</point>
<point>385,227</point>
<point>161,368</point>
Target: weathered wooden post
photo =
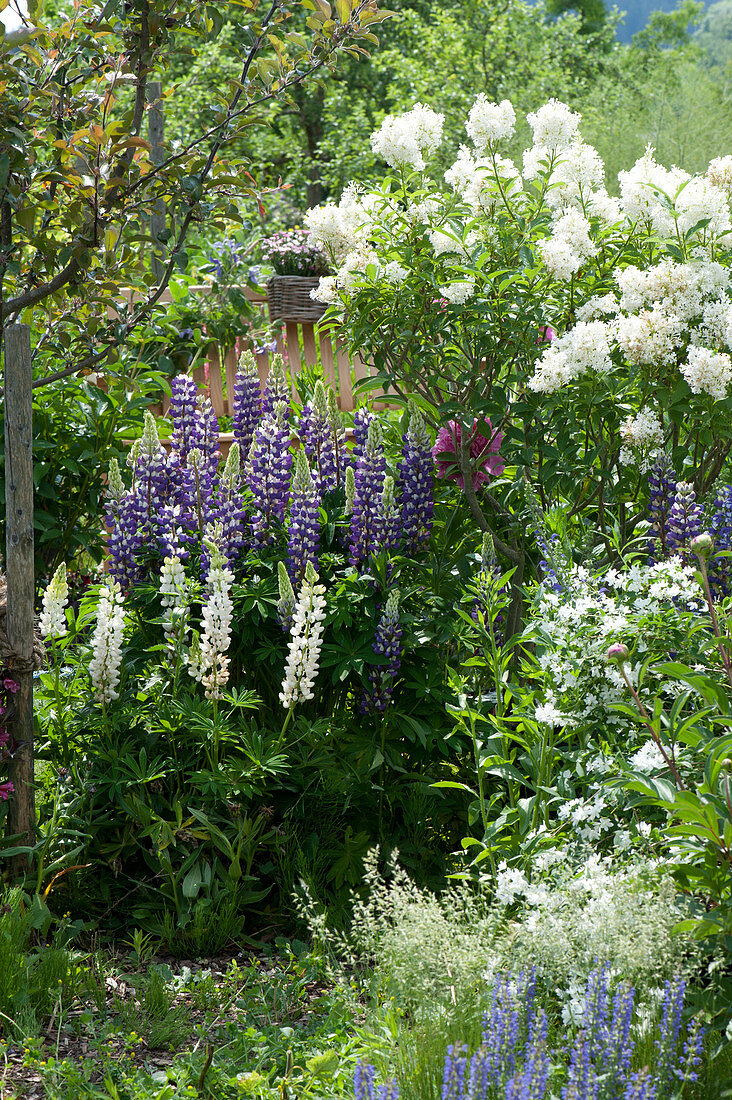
<point>156,135</point>
<point>18,378</point>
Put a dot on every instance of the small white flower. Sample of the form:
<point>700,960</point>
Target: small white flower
<point>459,292</point>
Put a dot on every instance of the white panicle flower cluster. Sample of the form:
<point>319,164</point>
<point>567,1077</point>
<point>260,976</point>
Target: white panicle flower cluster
<point>443,242</point>
<point>680,289</point>
<point>405,140</point>
<point>336,230</point>
<point>104,667</point>
<point>708,372</point>
<point>306,639</point>
<point>701,201</point>
<point>604,306</point>
<point>642,437</point>
<point>648,758</point>
<point>52,623</point>
<point>394,273</point>
<point>649,337</point>
<point>482,183</point>
<point>489,122</point>
<point>326,292</point>
<point>458,293</point>
<point>640,190</point>
<point>577,173</point>
<point>585,347</point>
<point>554,125</point>
<point>173,595</point>
<point>569,245</point>
<point>208,662</point>
<point>719,173</point>
<point>576,627</point>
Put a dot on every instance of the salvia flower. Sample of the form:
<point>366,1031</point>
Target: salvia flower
<point>484,458</point>
<point>208,661</point>
<point>369,483</point>
<point>52,622</point>
<point>306,639</point>
<point>303,531</point>
<point>276,388</point>
<point>247,401</point>
<point>415,480</point>
<point>104,667</point>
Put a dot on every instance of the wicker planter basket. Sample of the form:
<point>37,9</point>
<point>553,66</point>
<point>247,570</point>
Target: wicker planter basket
<point>289,298</point>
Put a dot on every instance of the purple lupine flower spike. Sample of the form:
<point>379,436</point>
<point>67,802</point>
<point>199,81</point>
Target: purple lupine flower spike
<point>662,486</point>
<point>361,421</point>
<point>317,440</point>
<point>387,643</point>
<point>388,518</point>
<point>276,388</point>
<point>720,528</point>
<point>338,434</point>
<point>453,1077</point>
<point>684,521</point>
<point>268,474</point>
<point>230,510</point>
<point>247,401</point>
<point>303,533</point>
<point>369,481</point>
<point>415,479</point>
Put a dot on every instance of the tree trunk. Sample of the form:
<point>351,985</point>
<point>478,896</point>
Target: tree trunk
<point>19,573</point>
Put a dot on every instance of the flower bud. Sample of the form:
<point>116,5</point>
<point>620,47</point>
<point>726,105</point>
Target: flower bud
<point>703,545</point>
<point>619,653</point>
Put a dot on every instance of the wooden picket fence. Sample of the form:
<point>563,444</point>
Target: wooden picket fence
<point>301,344</point>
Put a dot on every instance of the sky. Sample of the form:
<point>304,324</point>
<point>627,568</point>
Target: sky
<point>10,16</point>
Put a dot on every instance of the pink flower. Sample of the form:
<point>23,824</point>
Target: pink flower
<point>546,334</point>
<point>6,789</point>
<point>11,685</point>
<point>483,453</point>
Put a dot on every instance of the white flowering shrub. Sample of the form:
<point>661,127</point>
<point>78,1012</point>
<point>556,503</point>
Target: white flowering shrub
<point>593,331</point>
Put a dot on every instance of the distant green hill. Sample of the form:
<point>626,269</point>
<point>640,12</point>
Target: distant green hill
<point>715,32</point>
<point>637,13</point>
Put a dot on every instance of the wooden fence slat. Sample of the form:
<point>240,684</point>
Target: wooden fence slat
<point>345,383</point>
<point>309,347</point>
<point>215,381</point>
<point>292,332</point>
<point>326,357</point>
<point>230,364</point>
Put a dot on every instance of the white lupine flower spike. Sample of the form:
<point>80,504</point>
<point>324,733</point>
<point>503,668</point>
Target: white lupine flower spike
<point>104,667</point>
<point>52,622</point>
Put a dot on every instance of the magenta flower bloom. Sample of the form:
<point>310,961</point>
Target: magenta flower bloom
<point>11,685</point>
<point>484,456</point>
<point>6,789</point>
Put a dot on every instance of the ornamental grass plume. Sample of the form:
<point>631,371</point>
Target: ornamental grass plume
<point>484,458</point>
<point>52,623</point>
<point>306,640</point>
<point>104,667</point>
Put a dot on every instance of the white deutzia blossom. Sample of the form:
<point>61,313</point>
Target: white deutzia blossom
<point>604,306</point>
<point>569,245</point>
<point>649,337</point>
<point>459,292</point>
<point>489,122</point>
<point>52,623</point>
<point>405,140</point>
<point>306,639</point>
<point>584,347</point>
<point>326,292</point>
<point>337,229</point>
<point>708,372</point>
<point>642,437</point>
<point>605,207</point>
<point>719,173</point>
<point>576,172</point>
<point>173,596</point>
<point>548,714</point>
<point>698,201</point>
<point>648,758</point>
<point>104,667</point>
<point>422,211</point>
<point>208,660</point>
<point>443,242</point>
<point>394,273</point>
<point>554,125</point>
<point>640,188</point>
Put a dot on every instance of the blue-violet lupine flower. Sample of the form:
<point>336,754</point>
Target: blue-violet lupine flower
<point>684,521</point>
<point>287,601</point>
<point>662,488</point>
<point>361,420</point>
<point>303,530</point>
<point>270,466</point>
<point>387,644</point>
<point>316,439</point>
<point>415,480</point>
<point>388,518</point>
<point>276,388</point>
<point>247,401</point>
<point>369,483</point>
<point>720,528</point>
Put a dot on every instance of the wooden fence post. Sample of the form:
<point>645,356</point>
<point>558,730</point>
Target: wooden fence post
<point>19,572</point>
